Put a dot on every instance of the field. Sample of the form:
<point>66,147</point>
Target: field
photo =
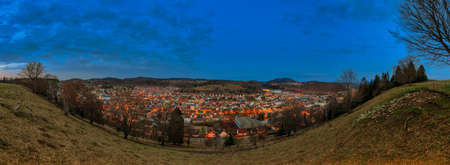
<point>44,135</point>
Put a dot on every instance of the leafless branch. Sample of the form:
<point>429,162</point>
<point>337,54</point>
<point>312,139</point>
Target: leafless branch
<point>425,25</point>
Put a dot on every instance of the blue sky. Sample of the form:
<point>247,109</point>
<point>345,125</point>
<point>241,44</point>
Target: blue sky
<point>233,39</point>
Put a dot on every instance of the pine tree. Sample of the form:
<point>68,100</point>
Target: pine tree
<point>411,72</point>
<point>330,109</point>
<point>376,86</point>
<point>176,127</point>
<point>385,79</point>
<point>399,78</point>
<point>421,74</point>
<point>363,91</point>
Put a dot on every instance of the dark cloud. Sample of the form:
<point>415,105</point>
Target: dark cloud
<point>101,32</point>
<point>333,12</point>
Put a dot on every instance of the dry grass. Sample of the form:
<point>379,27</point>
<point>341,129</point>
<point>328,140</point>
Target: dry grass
<point>46,136</point>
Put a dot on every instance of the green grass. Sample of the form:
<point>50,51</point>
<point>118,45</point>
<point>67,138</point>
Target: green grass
<point>49,137</point>
<point>446,87</point>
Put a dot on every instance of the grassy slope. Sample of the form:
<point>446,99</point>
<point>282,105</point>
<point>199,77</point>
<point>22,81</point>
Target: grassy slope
<point>51,137</point>
<point>341,140</point>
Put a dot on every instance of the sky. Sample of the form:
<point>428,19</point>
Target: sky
<point>232,40</point>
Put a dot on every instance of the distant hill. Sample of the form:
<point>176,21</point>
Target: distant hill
<point>314,87</point>
<point>282,80</point>
<point>321,87</point>
<point>404,125</point>
<point>186,84</point>
<point>222,86</point>
<point>148,81</point>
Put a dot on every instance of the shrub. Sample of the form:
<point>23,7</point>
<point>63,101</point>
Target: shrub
<point>230,141</point>
<point>3,144</point>
<point>281,132</point>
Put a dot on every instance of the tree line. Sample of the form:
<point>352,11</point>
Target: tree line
<point>404,73</point>
<point>73,96</point>
<point>78,99</point>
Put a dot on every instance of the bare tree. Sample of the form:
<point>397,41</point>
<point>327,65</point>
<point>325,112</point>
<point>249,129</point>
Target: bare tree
<point>348,78</point>
<point>78,99</point>
<point>92,107</point>
<point>127,106</point>
<point>33,71</point>
<point>404,62</point>
<point>70,95</point>
<point>425,25</point>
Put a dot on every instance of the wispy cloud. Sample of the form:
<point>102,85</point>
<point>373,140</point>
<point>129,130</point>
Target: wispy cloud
<point>10,69</point>
<point>11,66</point>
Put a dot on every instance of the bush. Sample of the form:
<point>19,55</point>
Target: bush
<point>3,144</point>
<point>230,141</point>
<point>281,132</point>
<point>209,142</point>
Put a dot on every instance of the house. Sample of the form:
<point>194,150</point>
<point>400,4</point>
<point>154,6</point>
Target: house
<point>247,123</point>
<point>199,131</point>
<point>241,132</point>
<point>223,134</point>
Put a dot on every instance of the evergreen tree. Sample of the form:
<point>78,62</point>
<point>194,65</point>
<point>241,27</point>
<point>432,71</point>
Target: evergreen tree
<point>385,79</point>
<point>176,127</point>
<point>331,108</point>
<point>363,91</point>
<point>376,84</point>
<point>399,78</point>
<point>411,72</point>
<point>421,74</point>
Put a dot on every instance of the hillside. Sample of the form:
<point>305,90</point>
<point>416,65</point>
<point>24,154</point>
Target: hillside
<point>45,135</point>
<point>217,86</point>
<point>307,87</point>
<point>405,125</point>
<point>282,80</point>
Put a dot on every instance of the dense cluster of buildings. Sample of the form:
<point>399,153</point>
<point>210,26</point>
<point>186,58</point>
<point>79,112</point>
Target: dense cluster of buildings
<point>234,111</point>
<point>205,107</point>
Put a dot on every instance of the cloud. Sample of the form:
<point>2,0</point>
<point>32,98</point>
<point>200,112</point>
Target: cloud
<point>87,32</point>
<point>10,69</point>
<point>11,66</point>
<point>333,12</point>
<point>331,21</point>
<point>6,73</point>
